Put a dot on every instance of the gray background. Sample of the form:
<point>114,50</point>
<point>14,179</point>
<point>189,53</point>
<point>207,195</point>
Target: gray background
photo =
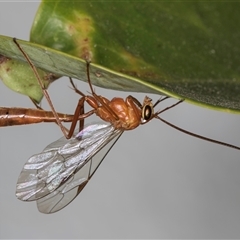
<point>155,183</point>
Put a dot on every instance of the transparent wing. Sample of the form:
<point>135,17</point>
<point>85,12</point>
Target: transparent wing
<point>58,174</point>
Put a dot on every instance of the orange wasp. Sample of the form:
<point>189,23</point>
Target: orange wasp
<point>54,177</point>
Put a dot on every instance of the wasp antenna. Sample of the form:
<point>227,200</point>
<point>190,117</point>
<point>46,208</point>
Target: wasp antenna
<point>160,100</point>
<point>198,136</point>
<point>167,108</point>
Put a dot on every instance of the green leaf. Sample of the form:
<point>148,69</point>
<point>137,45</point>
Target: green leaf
<point>186,50</point>
<point>59,63</point>
<point>18,76</point>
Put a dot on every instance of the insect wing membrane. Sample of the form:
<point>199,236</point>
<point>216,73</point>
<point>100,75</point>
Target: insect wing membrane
<point>41,169</point>
<point>51,175</point>
<point>101,141</point>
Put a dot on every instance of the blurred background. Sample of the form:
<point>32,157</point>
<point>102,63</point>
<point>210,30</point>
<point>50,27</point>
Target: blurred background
<point>155,183</point>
